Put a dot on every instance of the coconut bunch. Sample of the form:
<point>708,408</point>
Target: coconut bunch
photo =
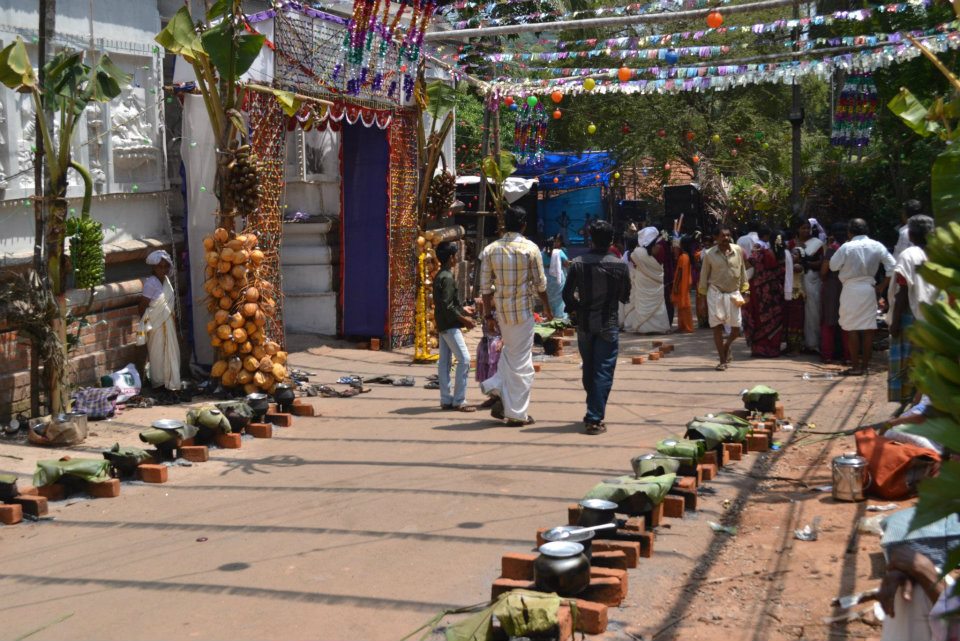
<point>425,246</point>
<point>442,193</point>
<point>241,303</point>
<point>242,179</point>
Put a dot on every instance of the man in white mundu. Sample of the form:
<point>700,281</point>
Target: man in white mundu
<point>646,312</point>
<point>510,268</point>
<point>724,283</point>
<point>156,309</point>
<point>857,262</point>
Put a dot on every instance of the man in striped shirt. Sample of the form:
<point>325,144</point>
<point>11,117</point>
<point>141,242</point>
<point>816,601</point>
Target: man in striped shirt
<point>511,269</point>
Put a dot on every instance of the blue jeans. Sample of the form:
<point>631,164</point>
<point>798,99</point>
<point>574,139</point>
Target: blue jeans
<point>599,355</point>
<point>452,344</point>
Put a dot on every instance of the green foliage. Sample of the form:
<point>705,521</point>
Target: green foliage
<point>441,98</point>
<point>231,49</point>
<point>16,72</point>
<point>86,251</point>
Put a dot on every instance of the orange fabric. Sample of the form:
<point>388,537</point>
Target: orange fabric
<point>895,468</point>
<point>680,294</point>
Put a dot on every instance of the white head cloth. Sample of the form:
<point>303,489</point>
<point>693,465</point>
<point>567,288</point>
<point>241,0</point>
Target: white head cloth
<point>155,257</point>
<point>817,230</point>
<point>647,235</point>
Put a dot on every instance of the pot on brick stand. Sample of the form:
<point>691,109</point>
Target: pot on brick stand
<point>583,538</point>
<point>562,567</point>
<point>597,512</point>
<point>283,396</point>
<point>259,403</point>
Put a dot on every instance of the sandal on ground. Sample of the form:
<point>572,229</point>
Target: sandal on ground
<point>595,428</point>
<point>490,402</point>
<point>464,408</point>
<point>721,367</point>
<point>496,410</point>
<point>852,372</point>
<point>513,422</point>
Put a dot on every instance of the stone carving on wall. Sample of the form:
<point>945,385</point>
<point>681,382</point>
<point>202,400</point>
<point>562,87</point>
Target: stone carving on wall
<point>28,138</point>
<point>131,135</point>
<point>94,119</point>
<point>3,146</point>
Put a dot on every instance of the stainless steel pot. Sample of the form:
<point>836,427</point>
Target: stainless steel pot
<point>597,512</point>
<point>583,538</point>
<point>562,567</point>
<point>79,419</point>
<point>850,477</point>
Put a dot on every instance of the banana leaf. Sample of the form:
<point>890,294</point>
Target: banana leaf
<point>522,614</point>
<point>715,433</point>
<point>210,417</point>
<point>91,470</point>
<point>158,436</point>
<point>724,419</point>
<point>126,459</point>
<point>759,391</point>
<point>689,450</point>
<point>945,185</point>
<point>623,487</point>
<point>654,466</point>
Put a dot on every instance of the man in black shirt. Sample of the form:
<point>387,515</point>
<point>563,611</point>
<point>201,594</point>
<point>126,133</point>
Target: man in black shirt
<point>596,285</point>
<point>450,317</point>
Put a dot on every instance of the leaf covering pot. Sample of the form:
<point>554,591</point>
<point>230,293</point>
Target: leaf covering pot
<point>761,399</point>
<point>690,451</point>
<point>654,465</point>
<point>713,434</point>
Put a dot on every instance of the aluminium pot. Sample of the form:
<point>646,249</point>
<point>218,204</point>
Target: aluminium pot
<point>259,403</point>
<point>562,567</point>
<point>850,477</point>
<point>597,512</point>
<point>583,538</point>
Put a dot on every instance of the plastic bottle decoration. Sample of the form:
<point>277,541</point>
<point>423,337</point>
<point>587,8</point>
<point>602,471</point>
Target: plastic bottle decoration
<point>589,84</point>
<point>591,129</point>
<point>624,74</point>
<point>733,152</point>
<point>714,19</point>
<point>514,107</point>
<point>556,96</point>
<point>530,134</point>
<point>856,112</point>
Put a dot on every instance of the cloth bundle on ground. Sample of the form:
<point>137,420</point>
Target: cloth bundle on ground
<point>521,613</point>
<point>713,434</point>
<point>96,402</point>
<point>623,489</point>
<point>689,451</point>
<point>126,459</point>
<point>161,435</point>
<point>761,399</point>
<point>90,470</point>
<point>895,468</point>
<point>59,433</point>
<point>238,413</point>
<point>654,465</point>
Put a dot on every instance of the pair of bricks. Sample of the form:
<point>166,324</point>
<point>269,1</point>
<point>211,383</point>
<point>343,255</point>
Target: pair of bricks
<point>607,586</point>
<point>28,502</point>
<point>104,490</point>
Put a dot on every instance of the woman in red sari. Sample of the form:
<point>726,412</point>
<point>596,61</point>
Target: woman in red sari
<point>765,308</point>
<point>682,281</point>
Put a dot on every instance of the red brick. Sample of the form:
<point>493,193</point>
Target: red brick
<point>569,332</point>
<point>505,585</point>
<point>654,356</point>
<point>708,471</point>
<point>655,516</point>
<point>685,483</point>
<point>646,544</point>
<point>758,443</point>
<point>573,514</point>
<point>630,549</point>
<point>620,575</point>
<point>150,473</point>
<point>636,524</point>
<point>690,498</point>
<point>605,590</point>
<point>614,559</point>
<point>673,506</point>
<point>28,490</point>
<point>280,419</point>
<point>517,566</point>
<point>733,450</point>
<point>709,457</point>
<point>194,453</point>
<point>656,344</point>
<point>304,409</point>
<point>779,411</point>
<point>375,344</point>
<point>536,367</point>
<point>104,490</point>
<point>11,514</point>
<point>188,442</point>
<point>32,505</point>
<point>637,360</point>
<point>591,617</point>
<point>564,623</point>
<point>231,441</point>
<point>54,492</point>
<point>260,430</point>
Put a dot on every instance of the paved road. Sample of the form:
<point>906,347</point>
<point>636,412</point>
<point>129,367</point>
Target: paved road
<point>364,523</point>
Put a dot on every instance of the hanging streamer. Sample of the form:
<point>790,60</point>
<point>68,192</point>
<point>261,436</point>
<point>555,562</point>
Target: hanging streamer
<point>856,112</point>
<point>530,134</point>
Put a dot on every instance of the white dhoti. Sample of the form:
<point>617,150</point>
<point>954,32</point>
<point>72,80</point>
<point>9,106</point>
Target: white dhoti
<point>514,376</point>
<point>162,345</point>
<point>858,305</point>
<point>722,307</point>
<point>812,284</point>
<point>646,312</point>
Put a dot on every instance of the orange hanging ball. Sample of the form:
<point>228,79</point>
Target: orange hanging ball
<point>556,96</point>
<point>556,180</point>
<point>624,74</point>
<point>557,115</point>
<point>714,19</point>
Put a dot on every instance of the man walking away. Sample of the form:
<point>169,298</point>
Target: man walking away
<point>596,285</point>
<point>857,261</point>
<point>911,208</point>
<point>510,268</point>
<point>724,284</point>
<point>450,317</point>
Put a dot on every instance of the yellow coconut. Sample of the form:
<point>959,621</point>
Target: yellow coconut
<point>215,341</point>
<point>256,257</point>
<point>235,244</point>
<point>209,271</point>
<point>227,282</point>
<point>245,347</point>
<point>260,379</point>
<point>226,254</point>
<point>251,241</point>
<point>223,332</point>
<point>221,234</point>
<point>266,288</point>
<point>240,257</point>
<point>244,377</point>
<point>279,371</point>
<point>222,316</point>
<point>239,272</point>
<point>210,285</point>
<point>212,258</point>
<point>242,239</point>
<point>266,364</point>
<point>229,348</point>
<point>223,266</point>
<point>218,369</point>
<point>250,327</point>
<point>280,357</point>
<point>257,338</point>
<point>236,320</point>
<point>252,294</point>
<point>234,364</point>
<point>212,306</point>
<point>251,364</point>
<point>260,318</point>
<point>212,327</point>
<point>258,352</point>
<point>239,335</point>
<point>208,243</point>
<point>271,348</point>
<point>250,309</point>
<point>229,379</point>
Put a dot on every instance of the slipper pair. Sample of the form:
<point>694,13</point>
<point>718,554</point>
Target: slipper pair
<point>595,428</point>
<point>458,408</point>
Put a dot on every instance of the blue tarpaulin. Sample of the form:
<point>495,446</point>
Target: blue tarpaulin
<point>565,170</point>
<point>568,213</point>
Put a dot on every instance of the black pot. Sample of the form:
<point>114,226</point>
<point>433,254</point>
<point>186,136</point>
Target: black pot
<point>283,396</point>
<point>583,538</point>
<point>597,512</point>
<point>561,567</point>
<point>259,403</point>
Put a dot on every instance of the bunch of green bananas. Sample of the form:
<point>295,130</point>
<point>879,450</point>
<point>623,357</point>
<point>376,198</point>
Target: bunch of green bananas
<point>936,368</point>
<point>86,251</point>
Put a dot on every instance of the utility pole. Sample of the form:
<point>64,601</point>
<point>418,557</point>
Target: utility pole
<point>48,15</point>
<point>796,120</point>
<point>481,198</point>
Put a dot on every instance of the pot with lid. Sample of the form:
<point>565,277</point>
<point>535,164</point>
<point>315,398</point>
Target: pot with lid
<point>850,477</point>
<point>562,567</point>
<point>283,396</point>
<point>597,512</point>
<point>573,534</point>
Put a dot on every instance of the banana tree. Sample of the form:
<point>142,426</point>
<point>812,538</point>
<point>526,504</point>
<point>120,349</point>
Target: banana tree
<point>435,98</point>
<point>69,86</point>
<point>496,170</point>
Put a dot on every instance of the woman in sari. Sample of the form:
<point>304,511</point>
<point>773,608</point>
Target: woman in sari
<point>682,281</point>
<point>811,257</point>
<point>794,298</point>
<point>765,308</point>
<point>156,309</point>
<point>556,270</point>
<point>646,313</point>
